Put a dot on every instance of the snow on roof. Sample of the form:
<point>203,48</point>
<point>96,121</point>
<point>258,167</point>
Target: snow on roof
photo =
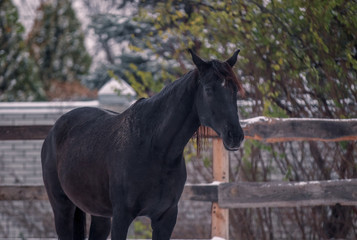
<point>43,107</point>
<point>113,87</point>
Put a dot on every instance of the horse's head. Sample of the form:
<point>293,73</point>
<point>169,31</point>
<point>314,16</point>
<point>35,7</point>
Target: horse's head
<point>216,99</point>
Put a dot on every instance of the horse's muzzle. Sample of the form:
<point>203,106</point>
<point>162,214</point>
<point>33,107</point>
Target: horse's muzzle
<point>233,138</point>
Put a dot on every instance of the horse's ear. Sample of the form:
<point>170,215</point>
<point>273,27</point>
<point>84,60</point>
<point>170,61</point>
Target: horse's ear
<point>232,60</point>
<point>200,64</point>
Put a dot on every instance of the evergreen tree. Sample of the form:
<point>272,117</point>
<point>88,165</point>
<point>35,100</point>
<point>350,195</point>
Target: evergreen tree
<point>19,79</point>
<point>123,40</point>
<point>57,43</point>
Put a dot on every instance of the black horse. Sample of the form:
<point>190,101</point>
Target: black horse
<point>121,166</point>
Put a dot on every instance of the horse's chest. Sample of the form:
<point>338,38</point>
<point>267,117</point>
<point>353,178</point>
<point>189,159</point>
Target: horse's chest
<point>158,188</point>
<point>163,195</point>
<point>164,183</point>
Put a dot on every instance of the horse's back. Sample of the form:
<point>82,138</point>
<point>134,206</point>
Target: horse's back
<point>77,130</point>
<point>79,120</point>
<point>80,132</point>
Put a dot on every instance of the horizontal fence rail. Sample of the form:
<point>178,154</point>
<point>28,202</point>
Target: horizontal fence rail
<point>259,128</point>
<point>300,129</point>
<point>30,132</point>
<point>199,192</point>
<point>288,194</point>
<point>217,238</point>
<point>238,195</point>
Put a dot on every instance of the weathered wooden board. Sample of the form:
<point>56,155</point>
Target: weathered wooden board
<point>260,128</point>
<point>16,192</point>
<point>296,129</point>
<point>238,195</point>
<point>109,239</point>
<point>287,194</point>
<point>198,192</point>
<point>31,132</point>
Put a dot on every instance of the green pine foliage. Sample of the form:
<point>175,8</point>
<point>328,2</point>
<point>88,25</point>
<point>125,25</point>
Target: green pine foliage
<point>19,79</point>
<point>135,63</point>
<point>57,43</point>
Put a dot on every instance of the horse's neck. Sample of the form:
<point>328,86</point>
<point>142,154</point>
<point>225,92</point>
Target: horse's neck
<point>177,118</point>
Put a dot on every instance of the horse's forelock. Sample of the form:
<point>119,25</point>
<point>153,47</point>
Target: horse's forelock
<point>224,70</point>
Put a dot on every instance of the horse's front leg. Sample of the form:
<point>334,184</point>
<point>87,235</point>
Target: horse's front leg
<point>164,224</point>
<point>122,219</point>
<point>99,228</point>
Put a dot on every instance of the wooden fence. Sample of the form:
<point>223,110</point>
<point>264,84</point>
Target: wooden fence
<point>224,195</point>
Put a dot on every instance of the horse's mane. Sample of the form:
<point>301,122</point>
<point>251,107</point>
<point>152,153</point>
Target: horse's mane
<point>170,88</point>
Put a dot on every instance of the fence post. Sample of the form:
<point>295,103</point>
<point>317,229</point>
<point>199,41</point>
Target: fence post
<point>220,217</point>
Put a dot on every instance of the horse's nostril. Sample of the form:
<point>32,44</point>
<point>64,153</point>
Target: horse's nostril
<point>230,134</point>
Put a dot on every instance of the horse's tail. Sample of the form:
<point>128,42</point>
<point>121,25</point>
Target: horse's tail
<point>79,224</point>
